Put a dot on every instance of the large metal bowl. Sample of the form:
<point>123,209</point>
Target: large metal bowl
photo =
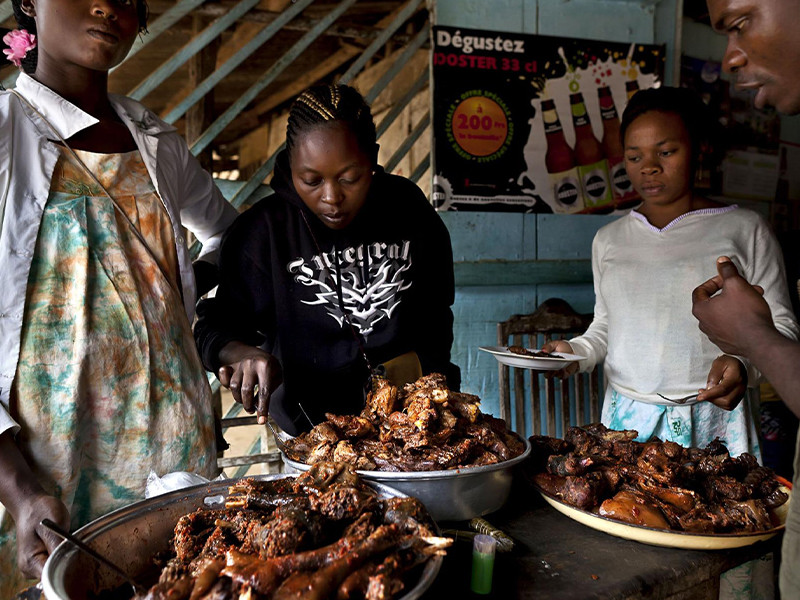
<point>449,495</point>
<point>131,536</point>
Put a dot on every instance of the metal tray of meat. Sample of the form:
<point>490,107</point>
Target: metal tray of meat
<point>449,495</point>
<point>133,535</point>
<point>669,538</point>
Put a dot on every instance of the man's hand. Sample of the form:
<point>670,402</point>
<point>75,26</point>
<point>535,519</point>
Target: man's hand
<point>245,368</point>
<point>727,383</point>
<point>34,542</point>
<point>565,347</point>
<point>736,315</point>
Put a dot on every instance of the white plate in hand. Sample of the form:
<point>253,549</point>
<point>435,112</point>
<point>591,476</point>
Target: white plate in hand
<point>539,363</point>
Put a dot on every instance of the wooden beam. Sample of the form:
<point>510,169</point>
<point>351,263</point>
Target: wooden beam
<point>251,118</point>
<point>247,30</point>
<point>365,33</point>
<point>200,116</point>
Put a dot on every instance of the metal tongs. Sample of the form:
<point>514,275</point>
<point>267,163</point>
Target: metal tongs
<point>137,589</point>
<point>683,400</point>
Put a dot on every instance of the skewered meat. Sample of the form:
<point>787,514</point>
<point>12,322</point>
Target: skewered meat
<point>322,535</point>
<point>423,427</point>
<point>657,484</point>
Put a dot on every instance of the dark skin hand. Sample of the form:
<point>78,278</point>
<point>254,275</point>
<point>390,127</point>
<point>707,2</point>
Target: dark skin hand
<point>725,386</point>
<point>28,504</point>
<point>247,368</point>
<point>735,316</point>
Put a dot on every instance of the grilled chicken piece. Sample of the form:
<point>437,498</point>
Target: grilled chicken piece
<point>352,426</point>
<point>633,507</point>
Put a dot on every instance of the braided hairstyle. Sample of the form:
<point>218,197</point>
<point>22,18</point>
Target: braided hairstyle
<point>703,128</point>
<point>29,24</point>
<point>324,104</point>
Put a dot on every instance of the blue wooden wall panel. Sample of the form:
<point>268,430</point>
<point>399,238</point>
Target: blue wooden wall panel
<point>568,236</point>
<point>484,235</point>
<point>498,15</point>
<point>477,310</point>
<point>530,237</point>
<point>580,296</point>
<point>597,20</point>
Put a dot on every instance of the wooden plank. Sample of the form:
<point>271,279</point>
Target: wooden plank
<point>250,118</point>
<point>160,25</point>
<point>580,400</point>
<point>564,399</point>
<point>412,137</point>
<point>282,63</point>
<point>389,24</point>
<point>493,273</point>
<point>201,38</point>
<point>247,30</point>
<point>201,115</point>
<point>238,57</point>
<point>535,403</point>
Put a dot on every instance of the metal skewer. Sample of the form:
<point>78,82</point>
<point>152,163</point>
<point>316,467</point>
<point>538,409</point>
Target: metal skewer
<point>679,400</point>
<point>137,589</point>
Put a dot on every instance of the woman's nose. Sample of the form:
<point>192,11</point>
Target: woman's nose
<point>331,194</point>
<point>104,10</point>
<point>650,168</point>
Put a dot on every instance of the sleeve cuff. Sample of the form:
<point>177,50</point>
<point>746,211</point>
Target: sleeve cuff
<point>7,423</point>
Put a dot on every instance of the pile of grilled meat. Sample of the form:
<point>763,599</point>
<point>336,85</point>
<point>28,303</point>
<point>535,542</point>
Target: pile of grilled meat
<point>656,484</point>
<point>324,534</point>
<point>422,427</point>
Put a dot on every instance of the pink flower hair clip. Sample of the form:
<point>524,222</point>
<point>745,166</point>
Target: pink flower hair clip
<point>19,43</point>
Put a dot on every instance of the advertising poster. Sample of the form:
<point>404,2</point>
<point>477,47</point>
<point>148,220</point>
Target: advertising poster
<point>530,123</point>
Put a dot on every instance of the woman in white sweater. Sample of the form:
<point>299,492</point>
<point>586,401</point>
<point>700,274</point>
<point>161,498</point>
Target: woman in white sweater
<point>645,266</point>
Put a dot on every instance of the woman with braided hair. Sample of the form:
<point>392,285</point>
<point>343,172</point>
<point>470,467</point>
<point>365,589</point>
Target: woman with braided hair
<point>99,378</point>
<point>344,271</point>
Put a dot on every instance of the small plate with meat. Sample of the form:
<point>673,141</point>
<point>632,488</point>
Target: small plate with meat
<point>527,358</point>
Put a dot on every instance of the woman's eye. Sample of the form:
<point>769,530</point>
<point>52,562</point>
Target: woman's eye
<point>312,183</point>
<point>632,158</point>
<point>667,152</point>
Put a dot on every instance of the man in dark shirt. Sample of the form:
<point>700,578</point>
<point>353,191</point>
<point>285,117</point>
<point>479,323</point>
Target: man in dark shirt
<point>763,54</point>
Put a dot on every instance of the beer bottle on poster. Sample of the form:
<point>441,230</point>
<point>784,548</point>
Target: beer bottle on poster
<point>631,87</point>
<point>592,165</point>
<point>560,164</point>
<point>622,189</point>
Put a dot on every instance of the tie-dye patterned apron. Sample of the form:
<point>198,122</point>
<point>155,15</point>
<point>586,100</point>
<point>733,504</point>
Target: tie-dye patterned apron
<point>108,384</point>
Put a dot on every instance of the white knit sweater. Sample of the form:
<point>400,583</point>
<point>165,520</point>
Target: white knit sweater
<point>643,279</point>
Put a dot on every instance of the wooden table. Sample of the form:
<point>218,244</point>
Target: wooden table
<point>556,558</point>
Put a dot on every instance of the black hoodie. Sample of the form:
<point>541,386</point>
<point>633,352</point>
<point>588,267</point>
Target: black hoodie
<point>392,267</point>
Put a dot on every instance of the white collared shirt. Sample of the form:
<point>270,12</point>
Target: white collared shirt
<point>27,162</point>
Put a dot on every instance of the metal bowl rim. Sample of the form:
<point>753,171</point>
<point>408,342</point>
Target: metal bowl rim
<point>121,515</point>
<point>427,475</point>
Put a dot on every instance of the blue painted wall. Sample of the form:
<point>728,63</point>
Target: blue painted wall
<point>508,264</point>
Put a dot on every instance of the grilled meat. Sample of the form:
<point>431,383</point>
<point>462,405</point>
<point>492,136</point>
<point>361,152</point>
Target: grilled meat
<point>657,484</point>
<point>322,535</point>
<point>423,427</point>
